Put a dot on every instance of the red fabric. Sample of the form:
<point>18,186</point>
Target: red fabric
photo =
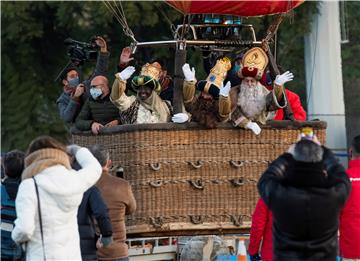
<point>350,215</point>
<point>249,72</point>
<point>233,7</point>
<point>69,90</point>
<point>261,230</point>
<point>295,104</point>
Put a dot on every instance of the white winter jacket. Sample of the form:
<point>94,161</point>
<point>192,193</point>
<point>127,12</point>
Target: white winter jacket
<point>61,192</point>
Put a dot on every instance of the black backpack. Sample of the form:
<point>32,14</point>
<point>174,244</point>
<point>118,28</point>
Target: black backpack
<point>9,249</point>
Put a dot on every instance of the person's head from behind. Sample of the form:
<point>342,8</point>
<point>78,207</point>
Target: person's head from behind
<point>99,87</point>
<point>308,151</point>
<point>71,78</point>
<point>102,155</point>
<point>355,148</point>
<point>14,163</point>
<point>45,142</point>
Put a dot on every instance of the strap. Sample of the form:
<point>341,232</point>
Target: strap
<point>40,219</point>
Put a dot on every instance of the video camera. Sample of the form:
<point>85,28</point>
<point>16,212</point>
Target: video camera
<point>79,52</point>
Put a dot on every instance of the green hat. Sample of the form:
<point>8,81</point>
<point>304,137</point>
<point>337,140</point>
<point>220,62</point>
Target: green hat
<point>141,80</point>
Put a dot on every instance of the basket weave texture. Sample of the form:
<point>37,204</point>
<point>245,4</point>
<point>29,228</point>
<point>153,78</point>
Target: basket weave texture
<point>183,178</point>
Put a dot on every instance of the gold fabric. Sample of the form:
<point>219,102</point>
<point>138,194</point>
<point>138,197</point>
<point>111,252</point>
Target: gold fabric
<point>224,106</point>
<point>255,58</point>
<point>189,91</point>
<point>218,73</point>
<point>152,70</point>
<point>118,88</point>
<point>279,91</point>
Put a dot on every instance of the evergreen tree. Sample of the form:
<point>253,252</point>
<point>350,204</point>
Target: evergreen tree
<point>33,54</point>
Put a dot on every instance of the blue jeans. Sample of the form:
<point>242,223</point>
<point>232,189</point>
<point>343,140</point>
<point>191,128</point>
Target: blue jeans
<point>121,259</point>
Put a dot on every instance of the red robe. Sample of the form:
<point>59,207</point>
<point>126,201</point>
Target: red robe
<point>350,215</point>
<point>261,230</point>
<point>295,104</point>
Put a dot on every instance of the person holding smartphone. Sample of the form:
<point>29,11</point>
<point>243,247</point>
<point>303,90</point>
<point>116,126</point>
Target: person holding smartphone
<point>305,188</point>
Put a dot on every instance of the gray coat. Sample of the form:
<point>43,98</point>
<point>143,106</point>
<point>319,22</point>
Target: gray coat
<point>69,108</point>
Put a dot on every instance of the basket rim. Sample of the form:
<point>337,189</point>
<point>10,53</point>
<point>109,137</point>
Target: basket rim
<point>170,126</point>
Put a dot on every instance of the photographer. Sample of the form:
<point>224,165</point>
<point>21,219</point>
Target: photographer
<point>305,189</point>
<point>75,92</point>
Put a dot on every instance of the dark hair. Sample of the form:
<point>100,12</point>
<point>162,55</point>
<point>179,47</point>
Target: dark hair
<point>14,163</point>
<point>99,153</point>
<point>66,71</point>
<point>356,144</point>
<point>45,142</point>
<point>308,151</point>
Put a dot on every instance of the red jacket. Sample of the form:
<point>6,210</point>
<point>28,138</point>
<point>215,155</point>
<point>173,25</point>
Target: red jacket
<point>295,104</point>
<point>350,215</point>
<point>261,229</point>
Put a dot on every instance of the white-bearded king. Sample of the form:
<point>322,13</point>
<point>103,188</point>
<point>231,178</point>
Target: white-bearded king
<point>251,101</point>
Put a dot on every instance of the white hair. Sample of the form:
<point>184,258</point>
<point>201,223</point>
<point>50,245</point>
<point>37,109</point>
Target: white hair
<point>252,100</point>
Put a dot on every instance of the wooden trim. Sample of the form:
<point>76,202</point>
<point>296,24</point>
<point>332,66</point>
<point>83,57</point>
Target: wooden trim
<point>187,229</point>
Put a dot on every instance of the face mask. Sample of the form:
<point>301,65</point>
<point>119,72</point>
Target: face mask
<point>95,93</point>
<point>74,82</point>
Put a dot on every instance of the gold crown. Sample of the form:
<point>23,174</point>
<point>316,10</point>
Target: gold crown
<point>152,70</point>
<point>219,71</point>
<point>255,58</point>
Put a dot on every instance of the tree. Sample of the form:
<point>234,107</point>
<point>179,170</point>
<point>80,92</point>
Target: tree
<point>33,53</point>
<point>350,53</point>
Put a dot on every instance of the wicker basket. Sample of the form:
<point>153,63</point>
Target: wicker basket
<point>190,180</point>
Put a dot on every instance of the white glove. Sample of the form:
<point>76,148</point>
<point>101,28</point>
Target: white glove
<point>73,149</point>
<point>283,78</point>
<point>126,73</point>
<point>189,74</point>
<point>254,127</point>
<point>224,91</point>
<point>180,118</point>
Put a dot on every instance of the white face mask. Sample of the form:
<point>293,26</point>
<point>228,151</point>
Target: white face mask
<point>95,93</point>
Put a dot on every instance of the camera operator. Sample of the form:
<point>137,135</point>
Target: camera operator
<point>75,92</point>
<point>305,189</point>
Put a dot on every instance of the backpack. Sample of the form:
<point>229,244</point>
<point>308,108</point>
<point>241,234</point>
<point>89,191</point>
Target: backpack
<point>9,249</point>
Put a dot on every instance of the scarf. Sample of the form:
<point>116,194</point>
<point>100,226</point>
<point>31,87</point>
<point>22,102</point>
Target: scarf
<point>42,159</point>
<point>155,103</point>
<point>69,90</point>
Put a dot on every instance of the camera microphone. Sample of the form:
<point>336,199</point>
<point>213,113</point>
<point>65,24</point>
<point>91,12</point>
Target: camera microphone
<point>70,41</point>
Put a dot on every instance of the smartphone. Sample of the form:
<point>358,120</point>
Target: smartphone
<point>307,133</point>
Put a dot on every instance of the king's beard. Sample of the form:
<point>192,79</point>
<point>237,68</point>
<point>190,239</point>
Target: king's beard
<point>252,100</point>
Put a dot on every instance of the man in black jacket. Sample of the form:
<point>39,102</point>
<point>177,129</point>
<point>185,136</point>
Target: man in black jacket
<point>98,111</point>
<point>305,189</point>
<point>93,207</point>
